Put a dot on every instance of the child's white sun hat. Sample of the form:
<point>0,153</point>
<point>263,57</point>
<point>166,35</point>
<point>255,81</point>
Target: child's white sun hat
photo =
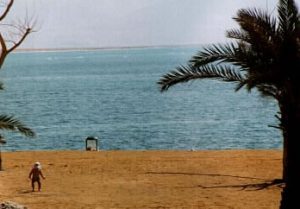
<point>38,165</point>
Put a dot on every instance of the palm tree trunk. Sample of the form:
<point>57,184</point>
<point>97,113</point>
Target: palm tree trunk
<point>290,192</point>
<point>284,157</point>
<point>291,161</point>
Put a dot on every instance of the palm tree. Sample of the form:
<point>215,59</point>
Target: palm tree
<point>264,54</point>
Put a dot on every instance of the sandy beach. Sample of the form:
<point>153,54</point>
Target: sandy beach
<point>237,179</point>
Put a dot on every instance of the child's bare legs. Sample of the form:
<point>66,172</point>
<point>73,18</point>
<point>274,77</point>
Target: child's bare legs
<point>32,185</point>
<point>39,185</point>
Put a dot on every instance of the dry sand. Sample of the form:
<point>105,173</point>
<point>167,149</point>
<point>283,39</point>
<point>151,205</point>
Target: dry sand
<point>145,179</point>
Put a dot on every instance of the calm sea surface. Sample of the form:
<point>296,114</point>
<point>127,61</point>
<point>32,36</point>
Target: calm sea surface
<point>112,94</point>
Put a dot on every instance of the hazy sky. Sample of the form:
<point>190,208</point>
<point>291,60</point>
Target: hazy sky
<point>113,23</point>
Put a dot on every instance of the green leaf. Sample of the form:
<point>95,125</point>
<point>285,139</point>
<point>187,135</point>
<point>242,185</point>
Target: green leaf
<point>13,124</point>
<point>188,73</point>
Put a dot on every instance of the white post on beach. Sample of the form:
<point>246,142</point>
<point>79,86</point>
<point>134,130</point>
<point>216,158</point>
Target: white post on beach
<point>2,141</point>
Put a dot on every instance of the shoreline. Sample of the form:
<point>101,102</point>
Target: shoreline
<point>144,179</point>
<point>141,150</point>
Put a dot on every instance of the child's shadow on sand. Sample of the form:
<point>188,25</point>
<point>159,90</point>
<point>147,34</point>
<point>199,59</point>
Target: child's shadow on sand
<point>24,191</point>
<point>29,192</point>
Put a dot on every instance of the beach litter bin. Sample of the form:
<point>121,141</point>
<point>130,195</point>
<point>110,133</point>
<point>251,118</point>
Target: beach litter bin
<point>91,143</point>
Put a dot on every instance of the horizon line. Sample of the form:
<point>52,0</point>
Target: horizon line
<point>103,48</point>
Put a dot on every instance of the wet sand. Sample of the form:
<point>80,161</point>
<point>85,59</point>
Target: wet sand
<point>236,179</point>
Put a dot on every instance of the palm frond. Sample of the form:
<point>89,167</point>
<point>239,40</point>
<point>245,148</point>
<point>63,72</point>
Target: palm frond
<point>268,90</point>
<point>257,20</point>
<point>239,54</point>
<point>259,42</point>
<point>1,86</point>
<point>253,61</point>
<point>13,124</point>
<point>238,34</point>
<point>258,28</point>
<point>217,52</point>
<point>240,85</point>
<point>262,82</point>
<point>288,16</point>
<point>261,78</point>
<point>187,73</point>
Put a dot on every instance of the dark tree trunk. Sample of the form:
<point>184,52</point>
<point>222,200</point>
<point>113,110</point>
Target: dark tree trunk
<point>291,190</point>
<point>291,157</point>
<point>284,157</point>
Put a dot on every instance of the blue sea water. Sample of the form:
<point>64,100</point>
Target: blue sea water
<point>112,94</point>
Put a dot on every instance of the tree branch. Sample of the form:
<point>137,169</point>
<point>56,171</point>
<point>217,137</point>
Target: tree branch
<point>16,37</point>
<point>9,5</point>
<point>28,30</point>
<point>3,50</point>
